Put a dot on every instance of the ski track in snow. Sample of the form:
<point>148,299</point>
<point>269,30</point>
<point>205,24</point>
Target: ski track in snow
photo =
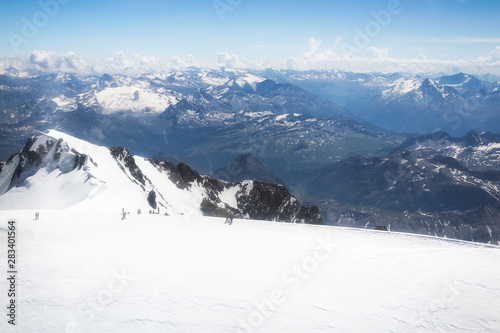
<point>82,270</point>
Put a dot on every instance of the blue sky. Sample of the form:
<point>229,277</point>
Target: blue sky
<point>437,29</point>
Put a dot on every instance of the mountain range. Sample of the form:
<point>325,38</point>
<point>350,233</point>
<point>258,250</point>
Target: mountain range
<point>456,104</point>
<point>207,118</point>
<point>432,184</point>
<point>354,144</point>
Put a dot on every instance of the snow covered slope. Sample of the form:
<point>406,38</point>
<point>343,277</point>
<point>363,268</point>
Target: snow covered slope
<point>46,176</point>
<point>57,171</point>
<point>83,271</point>
<point>134,98</point>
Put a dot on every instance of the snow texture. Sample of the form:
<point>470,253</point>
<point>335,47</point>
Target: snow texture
<point>89,271</point>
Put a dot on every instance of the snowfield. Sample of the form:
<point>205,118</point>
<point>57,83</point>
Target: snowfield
<point>86,270</point>
<point>134,98</point>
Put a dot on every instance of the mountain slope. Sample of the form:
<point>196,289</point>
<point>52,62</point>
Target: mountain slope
<point>407,181</point>
<point>475,150</point>
<point>432,184</point>
<point>89,271</point>
<point>51,173</point>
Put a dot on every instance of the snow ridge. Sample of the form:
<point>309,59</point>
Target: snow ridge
<point>113,179</point>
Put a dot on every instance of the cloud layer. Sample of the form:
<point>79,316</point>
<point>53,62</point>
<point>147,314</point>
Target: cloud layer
<point>371,59</point>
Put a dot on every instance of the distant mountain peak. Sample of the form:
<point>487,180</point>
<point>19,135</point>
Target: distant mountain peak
<point>427,84</point>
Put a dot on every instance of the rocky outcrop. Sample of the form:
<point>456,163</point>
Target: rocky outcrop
<point>260,201</point>
<point>38,152</point>
<point>127,164</point>
<point>152,199</point>
<point>255,200</point>
<point>171,171</point>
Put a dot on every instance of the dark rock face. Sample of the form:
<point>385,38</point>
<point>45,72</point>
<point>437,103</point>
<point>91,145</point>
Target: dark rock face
<point>30,158</point>
<point>255,200</point>
<point>152,199</point>
<point>260,201</point>
<point>172,172</point>
<point>210,208</point>
<point>80,159</point>
<point>188,174</point>
<point>127,163</point>
<point>27,157</point>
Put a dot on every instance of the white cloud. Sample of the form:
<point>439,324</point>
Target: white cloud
<point>372,59</point>
<point>314,45</point>
<point>51,61</point>
<point>376,53</point>
<point>70,62</point>
<point>142,64</point>
<point>494,56</point>
<point>228,60</point>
